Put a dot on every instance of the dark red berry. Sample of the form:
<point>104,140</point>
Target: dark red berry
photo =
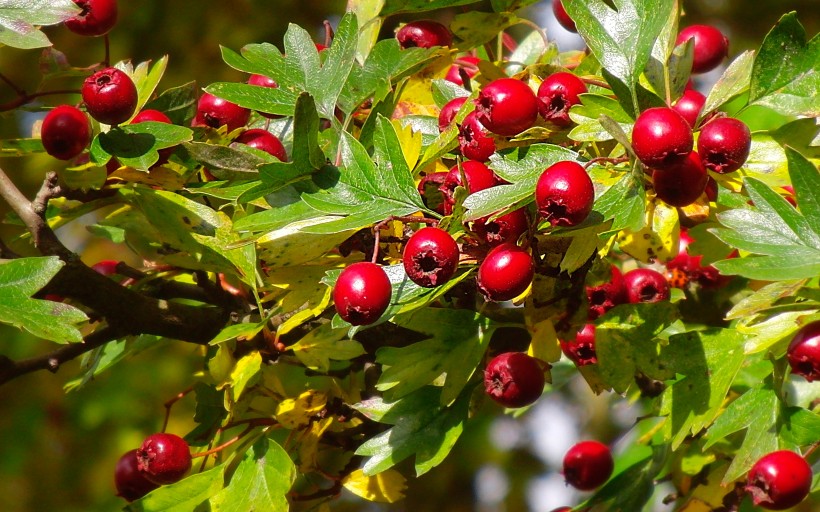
<point>691,267</point>
<point>164,458</point>
<point>66,132</point>
<point>264,81</point>
<point>424,34</point>
<point>130,482</point>
<point>506,106</point>
<point>474,140</point>
<point>448,113</point>
<point>712,190</point>
<point>581,350</point>
<point>645,285</point>
<point>587,465</point>
<point>110,96</point>
<point>463,66</point>
<point>430,257</point>
<point>97,17</point>
<point>606,296</point>
<point>514,379</point>
<point>106,267</point>
<point>505,273</point>
<point>479,177</point>
<point>710,46</point>
<point>661,137</point>
<point>804,352</point>
<point>689,105</point>
<point>362,293</point>
<point>681,184</point>
<point>430,189</point>
<point>557,94</point>
<point>263,140</point>
<point>151,115</point>
<point>779,480</point>
<point>215,112</point>
<point>724,144</point>
<point>564,194</point>
<point>506,228</point>
<point>562,16</point>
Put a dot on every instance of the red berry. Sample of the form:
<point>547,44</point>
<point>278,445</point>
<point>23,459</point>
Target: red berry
<point>448,113</point>
<point>263,81</point>
<point>215,112</point>
<point>106,267</point>
<point>263,140</point>
<point>581,350</point>
<point>645,285</point>
<point>505,273</point>
<point>475,140</point>
<point>97,17</point>
<point>362,293</point>
<point>606,296</point>
<point>712,190</point>
<point>457,70</point>
<point>692,269</point>
<point>130,482</point>
<point>506,106</point>
<point>557,94</point>
<point>66,132</point>
<point>110,96</point>
<point>164,458</point>
<point>661,137</point>
<point>430,257</point>
<point>424,34</point>
<point>564,194</point>
<point>587,465</point>
<point>478,175</point>
<point>804,352</point>
<point>689,105</point>
<point>430,189</point>
<point>506,228</point>
<point>779,480</point>
<point>681,184</point>
<point>151,115</point>
<point>710,46</point>
<point>562,16</point>
<point>514,379</point>
<point>724,144</point>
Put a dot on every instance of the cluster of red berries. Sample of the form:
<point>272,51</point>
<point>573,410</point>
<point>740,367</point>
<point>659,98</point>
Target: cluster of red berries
<point>162,459</point>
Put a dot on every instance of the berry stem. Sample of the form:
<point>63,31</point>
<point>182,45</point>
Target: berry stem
<point>224,445</point>
<point>597,83</point>
<point>24,97</point>
<point>605,159</point>
<point>406,219</point>
<point>811,449</point>
<point>538,29</point>
<point>170,403</point>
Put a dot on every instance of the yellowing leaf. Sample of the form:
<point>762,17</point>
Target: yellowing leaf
<point>304,293</point>
<point>386,487</point>
<point>544,345</point>
<point>244,373</point>
<point>410,142</point>
<point>319,346</point>
<point>309,444</point>
<point>296,412</point>
<point>658,240</point>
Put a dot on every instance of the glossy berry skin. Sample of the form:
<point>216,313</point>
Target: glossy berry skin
<point>457,70</point>
<point>557,94</point>
<point>724,144</point>
<point>164,458</point>
<point>564,194</point>
<point>779,480</point>
<point>645,285</point>
<point>588,465</point>
<point>424,34</point>
<point>106,267</point>
<point>804,352</point>
<point>683,183</point>
<point>661,137</point>
<point>710,46</point>
<point>130,482</point>
<point>506,228</point>
<point>606,296</point>
<point>97,18</point>
<point>265,141</point>
<point>151,115</point>
<point>362,293</point>
<point>66,132</point>
<point>474,140</point>
<point>448,112</point>
<point>110,96</point>
<point>581,350</point>
<point>215,112</point>
<point>690,105</point>
<point>506,106</point>
<point>514,379</point>
<point>561,15</point>
<point>478,175</point>
<point>505,273</point>
<point>430,257</point>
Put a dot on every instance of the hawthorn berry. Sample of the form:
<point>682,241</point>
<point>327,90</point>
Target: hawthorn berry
<point>557,94</point>
<point>430,257</point>
<point>505,273</point>
<point>474,140</point>
<point>587,465</point>
<point>724,144</point>
<point>581,350</point>
<point>110,96</point>
<point>430,189</point>
<point>506,106</point>
<point>106,267</point>
<point>131,483</point>
<point>564,194</point>
<point>606,296</point>
<point>66,132</point>
<point>710,46</point>
<point>645,285</point>
<point>215,112</point>
<point>263,140</point>
<point>804,352</point>
<point>561,15</point>
<point>682,183</point>
<point>458,70</point>
<point>691,268</point>
<point>362,293</point>
<point>661,137</point>
<point>164,458</point>
<point>689,105</point>
<point>478,175</point>
<point>448,112</point>
<point>424,34</point>
<point>506,228</point>
<point>514,379</point>
<point>97,17</point>
<point>779,480</point>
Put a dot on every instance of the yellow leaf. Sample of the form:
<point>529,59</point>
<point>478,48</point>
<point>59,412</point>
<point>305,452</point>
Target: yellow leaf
<point>658,240</point>
<point>386,487</point>
<point>410,142</point>
<point>544,345</point>
<point>304,293</point>
<point>296,412</point>
<point>319,346</point>
<point>309,444</point>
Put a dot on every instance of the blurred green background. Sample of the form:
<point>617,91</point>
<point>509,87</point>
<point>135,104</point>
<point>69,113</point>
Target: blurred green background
<point>58,450</point>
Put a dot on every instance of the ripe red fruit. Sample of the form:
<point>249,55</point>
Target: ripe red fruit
<point>724,144</point>
<point>514,379</point>
<point>457,70</point>
<point>215,112</point>
<point>478,175</point>
<point>263,140</point>
<point>164,458</point>
<point>779,480</point>
<point>661,137</point>
<point>151,115</point>
<point>689,105</point>
<point>130,482</point>
<point>106,267</point>
<point>430,189</point>
<point>557,94</point>
<point>587,465</point>
<point>645,285</point>
<point>505,273</point>
<point>110,96</point>
<point>506,106</point>
<point>362,293</point>
<point>448,112</point>
<point>424,34</point>
<point>682,183</point>
<point>710,46</point>
<point>506,228</point>
<point>581,350</point>
<point>97,17</point>
<point>804,352</point>
<point>66,132</point>
<point>606,296</point>
<point>474,140</point>
<point>430,257</point>
<point>564,194</point>
<point>562,16</point>
<point>692,269</point>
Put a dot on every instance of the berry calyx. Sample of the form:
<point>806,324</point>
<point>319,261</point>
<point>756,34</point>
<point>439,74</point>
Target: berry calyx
<point>478,175</point>
<point>362,293</point>
<point>564,194</point>
<point>557,94</point>
<point>458,70</point>
<point>661,137</point>
<point>724,144</point>
<point>131,483</point>
<point>645,285</point>
<point>514,379</point>
<point>581,350</point>
<point>505,273</point>
<point>506,228</point>
<point>804,352</point>
<point>710,46</point>
<point>506,106</point>
<point>164,458</point>
<point>474,140</point>
<point>561,15</point>
<point>606,296</point>
<point>97,17</point>
<point>215,112</point>
<point>689,105</point>
<point>110,96</point>
<point>779,480</point>
<point>66,132</point>
<point>681,184</point>
<point>430,257</point>
<point>587,465</point>
<point>448,112</point>
<point>265,141</point>
<point>424,34</point>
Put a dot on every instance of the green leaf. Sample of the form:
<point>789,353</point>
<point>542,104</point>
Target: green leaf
<point>20,21</point>
<point>137,145</point>
<point>630,487</point>
<point>587,115</point>
<point>318,347</point>
<point>399,6</point>
<point>146,79</point>
<point>226,163</point>
<point>800,426</point>
<point>178,103</point>
<point>763,299</point>
<point>475,28</point>
<point>19,280</point>
<point>623,202</point>
<point>734,82</point>
<point>20,147</point>
<point>182,496</point>
<point>805,178</point>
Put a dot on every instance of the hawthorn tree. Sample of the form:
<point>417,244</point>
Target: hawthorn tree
<point>371,238</point>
